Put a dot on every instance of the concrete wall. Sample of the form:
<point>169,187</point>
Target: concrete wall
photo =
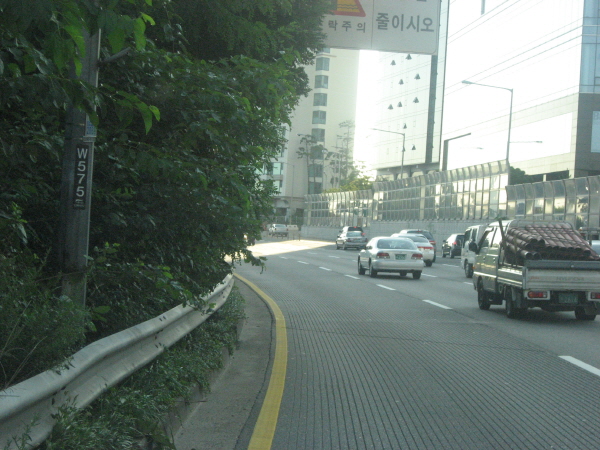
<point>440,229</point>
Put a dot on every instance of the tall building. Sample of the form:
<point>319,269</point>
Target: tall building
<point>321,133</point>
<point>532,95</point>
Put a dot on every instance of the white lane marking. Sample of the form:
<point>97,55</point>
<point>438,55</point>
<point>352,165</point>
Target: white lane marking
<point>581,364</point>
<point>432,276</point>
<point>302,262</point>
<point>451,265</point>
<point>283,257</point>
<point>325,268</point>
<point>350,276</point>
<point>470,283</point>
<point>334,257</point>
<point>436,304</point>
<point>312,253</point>
<point>385,287</point>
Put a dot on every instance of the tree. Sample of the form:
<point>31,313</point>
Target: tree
<point>171,202</point>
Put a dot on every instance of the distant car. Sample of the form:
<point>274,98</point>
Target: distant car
<point>425,233</point>
<point>595,246</point>
<point>344,229</point>
<point>453,245</point>
<point>391,254</point>
<point>350,239</point>
<point>423,245</point>
<point>278,229</point>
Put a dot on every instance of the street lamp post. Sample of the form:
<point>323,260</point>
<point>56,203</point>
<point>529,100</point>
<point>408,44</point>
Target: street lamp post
<point>509,120</point>
<point>403,149</point>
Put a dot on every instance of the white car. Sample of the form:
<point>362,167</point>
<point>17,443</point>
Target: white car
<point>423,245</point>
<point>278,229</point>
<point>391,254</point>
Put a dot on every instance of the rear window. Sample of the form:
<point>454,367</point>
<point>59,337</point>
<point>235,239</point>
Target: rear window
<point>353,234</point>
<point>427,234</point>
<point>402,244</point>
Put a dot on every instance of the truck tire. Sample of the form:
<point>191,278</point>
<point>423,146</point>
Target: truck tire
<point>483,298</point>
<point>511,310</point>
<point>417,274</point>
<point>581,315</point>
<point>468,270</point>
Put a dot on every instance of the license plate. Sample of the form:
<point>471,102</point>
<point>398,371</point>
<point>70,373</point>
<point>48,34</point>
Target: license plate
<point>568,297</point>
<point>402,256</point>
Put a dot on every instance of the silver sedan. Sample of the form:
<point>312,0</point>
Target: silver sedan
<point>391,254</point>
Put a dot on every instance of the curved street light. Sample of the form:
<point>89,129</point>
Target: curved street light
<point>509,120</point>
<point>403,149</point>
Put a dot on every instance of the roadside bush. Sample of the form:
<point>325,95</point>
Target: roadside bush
<point>38,329</point>
<point>136,409</point>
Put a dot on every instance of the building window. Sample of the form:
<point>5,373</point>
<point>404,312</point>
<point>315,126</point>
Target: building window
<point>321,81</point>
<point>315,170</point>
<point>322,63</point>
<point>318,134</point>
<point>319,117</point>
<point>269,168</point>
<point>315,187</point>
<point>320,100</point>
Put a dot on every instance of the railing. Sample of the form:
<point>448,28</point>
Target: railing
<point>96,368</point>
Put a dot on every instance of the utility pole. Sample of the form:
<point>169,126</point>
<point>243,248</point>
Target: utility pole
<point>76,184</point>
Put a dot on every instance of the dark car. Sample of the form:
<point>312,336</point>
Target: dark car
<point>351,239</point>
<point>425,233</point>
<point>452,246</point>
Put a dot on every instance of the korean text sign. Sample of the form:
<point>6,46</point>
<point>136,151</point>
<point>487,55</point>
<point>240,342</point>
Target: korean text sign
<point>402,26</point>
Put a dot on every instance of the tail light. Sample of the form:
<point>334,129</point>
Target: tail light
<point>595,295</point>
<point>427,248</point>
<point>383,255</point>
<point>455,243</point>
<point>417,256</point>
<point>537,294</point>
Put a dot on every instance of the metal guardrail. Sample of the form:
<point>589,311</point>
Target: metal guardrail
<point>94,369</point>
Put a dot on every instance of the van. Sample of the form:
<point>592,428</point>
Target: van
<point>467,257</point>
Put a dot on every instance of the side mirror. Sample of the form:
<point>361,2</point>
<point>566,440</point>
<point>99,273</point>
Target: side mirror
<point>473,247</point>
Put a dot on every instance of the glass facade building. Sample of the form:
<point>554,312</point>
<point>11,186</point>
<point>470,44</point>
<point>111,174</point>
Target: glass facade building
<point>546,52</point>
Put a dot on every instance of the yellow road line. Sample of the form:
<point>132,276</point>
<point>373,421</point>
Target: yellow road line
<point>264,430</point>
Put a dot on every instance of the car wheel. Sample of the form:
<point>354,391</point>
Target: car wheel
<point>344,246</point>
<point>443,255</point>
<point>337,247</point>
<point>581,315</point>
<point>468,270</point>
<point>372,272</point>
<point>434,257</point>
<point>361,269</point>
<point>451,255</point>
<point>417,274</point>
<point>403,273</point>
<point>482,297</point>
<point>428,263</point>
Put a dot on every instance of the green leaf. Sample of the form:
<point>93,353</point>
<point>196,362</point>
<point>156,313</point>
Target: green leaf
<point>139,28</point>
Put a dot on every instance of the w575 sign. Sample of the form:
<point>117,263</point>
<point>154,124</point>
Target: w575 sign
<point>403,26</point>
<point>82,163</point>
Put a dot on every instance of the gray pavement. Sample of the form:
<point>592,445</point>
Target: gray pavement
<point>224,418</point>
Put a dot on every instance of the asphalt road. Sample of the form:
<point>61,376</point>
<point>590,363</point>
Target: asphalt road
<point>398,363</point>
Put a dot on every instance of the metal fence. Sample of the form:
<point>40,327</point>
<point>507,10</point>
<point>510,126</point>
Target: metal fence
<point>473,193</point>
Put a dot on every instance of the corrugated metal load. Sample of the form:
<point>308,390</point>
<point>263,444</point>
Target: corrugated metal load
<point>544,240</point>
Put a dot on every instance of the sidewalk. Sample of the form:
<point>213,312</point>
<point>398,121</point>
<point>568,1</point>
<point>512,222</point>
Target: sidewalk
<point>225,418</point>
